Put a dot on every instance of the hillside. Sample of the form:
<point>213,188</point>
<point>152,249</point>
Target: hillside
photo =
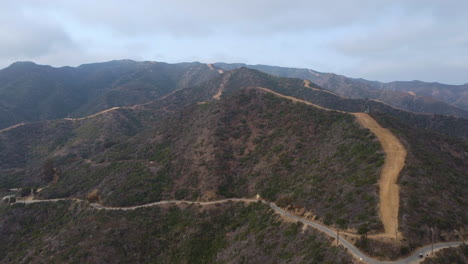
<point>414,96</point>
<point>239,134</point>
<point>31,92</point>
<point>230,233</point>
<point>230,148</point>
<point>449,256</point>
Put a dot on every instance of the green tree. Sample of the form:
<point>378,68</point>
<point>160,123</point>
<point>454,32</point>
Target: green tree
<point>48,170</point>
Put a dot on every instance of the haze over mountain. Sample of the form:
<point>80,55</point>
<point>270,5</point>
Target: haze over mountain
<point>31,92</point>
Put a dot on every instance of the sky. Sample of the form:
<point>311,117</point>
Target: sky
<point>385,40</point>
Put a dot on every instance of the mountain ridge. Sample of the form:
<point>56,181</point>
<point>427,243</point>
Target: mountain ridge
<point>422,101</point>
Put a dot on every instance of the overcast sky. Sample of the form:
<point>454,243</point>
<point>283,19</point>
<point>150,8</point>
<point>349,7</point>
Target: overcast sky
<point>381,40</point>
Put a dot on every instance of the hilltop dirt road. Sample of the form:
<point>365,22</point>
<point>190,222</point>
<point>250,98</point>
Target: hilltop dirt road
<point>307,85</point>
<point>94,115</point>
<point>395,155</point>
<point>297,100</point>
<point>11,127</point>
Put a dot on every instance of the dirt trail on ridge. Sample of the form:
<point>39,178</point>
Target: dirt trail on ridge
<point>307,85</point>
<point>395,155</point>
<point>297,100</point>
<point>11,127</point>
<point>94,115</point>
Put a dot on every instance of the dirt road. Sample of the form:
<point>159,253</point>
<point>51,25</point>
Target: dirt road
<point>360,256</point>
<point>307,85</point>
<point>213,69</point>
<point>395,155</point>
<point>297,100</point>
<point>11,127</point>
<point>217,96</point>
<point>94,115</point>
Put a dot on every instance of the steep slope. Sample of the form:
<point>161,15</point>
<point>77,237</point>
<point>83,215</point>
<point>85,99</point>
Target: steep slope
<point>433,184</point>
<point>412,96</point>
<point>30,92</point>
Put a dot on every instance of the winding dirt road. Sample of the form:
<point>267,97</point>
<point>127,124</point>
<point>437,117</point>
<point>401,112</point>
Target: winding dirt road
<point>355,252</point>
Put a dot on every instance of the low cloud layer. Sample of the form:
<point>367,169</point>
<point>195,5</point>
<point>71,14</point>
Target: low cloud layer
<point>378,40</point>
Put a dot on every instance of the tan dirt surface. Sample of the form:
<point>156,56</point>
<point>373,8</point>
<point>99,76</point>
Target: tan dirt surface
<point>210,66</point>
<point>11,127</point>
<point>297,100</point>
<point>314,73</point>
<point>94,115</point>
<point>213,69</point>
<point>217,96</point>
<point>395,155</point>
<point>394,162</point>
<point>307,85</point>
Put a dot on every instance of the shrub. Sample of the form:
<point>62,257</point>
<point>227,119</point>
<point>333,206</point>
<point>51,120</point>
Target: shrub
<point>94,196</point>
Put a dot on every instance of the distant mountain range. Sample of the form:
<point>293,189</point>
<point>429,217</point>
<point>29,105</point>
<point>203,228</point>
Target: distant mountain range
<point>31,92</point>
<point>415,96</point>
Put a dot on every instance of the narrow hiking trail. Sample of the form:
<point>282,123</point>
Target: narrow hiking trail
<point>395,155</point>
<point>360,256</point>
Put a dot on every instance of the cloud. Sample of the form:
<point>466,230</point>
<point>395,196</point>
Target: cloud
<point>362,38</point>
<point>199,19</point>
<point>25,37</point>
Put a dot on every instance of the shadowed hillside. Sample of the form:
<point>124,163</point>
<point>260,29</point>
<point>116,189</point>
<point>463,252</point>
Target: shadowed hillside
<point>31,92</point>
